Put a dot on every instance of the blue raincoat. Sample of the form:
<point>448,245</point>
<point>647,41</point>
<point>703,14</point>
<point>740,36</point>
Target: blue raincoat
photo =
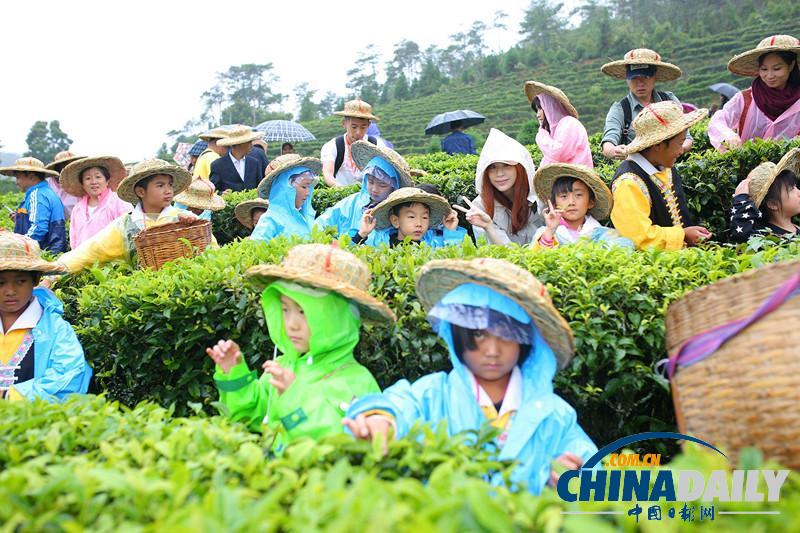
<point>282,218</point>
<point>345,215</point>
<point>435,238</point>
<point>59,367</point>
<point>544,427</point>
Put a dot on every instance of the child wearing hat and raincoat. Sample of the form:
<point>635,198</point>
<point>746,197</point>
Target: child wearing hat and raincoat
<point>40,356</point>
<point>289,186</point>
<point>314,304</point>
<point>150,187</point>
<point>506,341</point>
<point>200,198</point>
<point>578,199</point>
<point>649,203</point>
<point>413,213</point>
<point>383,172</point>
<point>249,212</point>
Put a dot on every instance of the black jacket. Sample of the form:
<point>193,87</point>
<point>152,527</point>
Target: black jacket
<point>224,175</point>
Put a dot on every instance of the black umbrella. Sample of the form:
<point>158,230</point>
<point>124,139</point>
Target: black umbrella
<point>440,124</point>
<point>725,89</point>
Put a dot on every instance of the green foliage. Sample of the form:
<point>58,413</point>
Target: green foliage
<point>9,200</point>
<point>46,140</point>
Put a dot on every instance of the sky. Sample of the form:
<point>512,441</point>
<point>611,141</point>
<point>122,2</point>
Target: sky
<point>120,75</point>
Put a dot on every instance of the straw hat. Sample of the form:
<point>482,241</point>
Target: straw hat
<point>661,121</point>
<point>240,135</point>
<point>534,89</point>
<point>213,135</point>
<point>28,164</point>
<point>244,211</point>
<point>180,178</point>
<point>285,162</point>
<point>63,159</point>
<point>364,151</point>
<point>417,173</point>
<point>70,179</point>
<point>438,205</point>
<point>201,194</point>
<point>441,276</point>
<point>330,268</point>
<point>547,175</point>
<point>746,64</point>
<point>18,252</point>
<point>764,175</point>
<point>357,109</point>
<point>642,56</point>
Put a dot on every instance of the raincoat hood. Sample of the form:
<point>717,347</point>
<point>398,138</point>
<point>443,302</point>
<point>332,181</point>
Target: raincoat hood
<point>387,168</point>
<point>281,204</point>
<point>500,147</point>
<point>48,301</point>
<point>540,366</point>
<point>333,321</point>
<point>553,111</point>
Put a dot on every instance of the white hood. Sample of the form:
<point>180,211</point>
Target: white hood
<point>499,147</point>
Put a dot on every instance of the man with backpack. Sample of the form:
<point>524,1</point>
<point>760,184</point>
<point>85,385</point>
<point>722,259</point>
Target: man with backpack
<point>641,68</point>
<point>338,167</point>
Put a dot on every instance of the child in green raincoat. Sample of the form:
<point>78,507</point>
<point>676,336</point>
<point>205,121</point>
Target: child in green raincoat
<point>314,303</point>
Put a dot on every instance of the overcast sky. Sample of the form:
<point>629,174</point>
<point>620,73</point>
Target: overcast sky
<point>119,75</point>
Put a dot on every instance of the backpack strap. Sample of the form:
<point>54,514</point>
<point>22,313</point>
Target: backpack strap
<point>337,164</point>
<point>664,96</point>
<point>747,94</point>
<point>627,117</point>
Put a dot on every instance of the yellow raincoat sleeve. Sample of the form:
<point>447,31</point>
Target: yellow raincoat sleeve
<point>108,245</point>
<point>631,218</point>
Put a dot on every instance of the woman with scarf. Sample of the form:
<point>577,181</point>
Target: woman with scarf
<point>289,187</point>
<point>94,180</point>
<point>770,108</point>
<point>561,137</point>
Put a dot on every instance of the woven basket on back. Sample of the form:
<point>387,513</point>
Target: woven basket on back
<point>745,393</point>
<point>160,244</point>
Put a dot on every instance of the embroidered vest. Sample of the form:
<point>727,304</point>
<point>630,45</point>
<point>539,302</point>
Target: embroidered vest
<point>659,210</point>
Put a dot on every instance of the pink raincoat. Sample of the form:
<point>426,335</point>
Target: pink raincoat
<point>725,122</point>
<point>567,140</point>
<point>82,226</point>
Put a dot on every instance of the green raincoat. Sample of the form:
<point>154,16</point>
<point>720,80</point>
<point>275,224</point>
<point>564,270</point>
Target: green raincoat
<point>327,378</point>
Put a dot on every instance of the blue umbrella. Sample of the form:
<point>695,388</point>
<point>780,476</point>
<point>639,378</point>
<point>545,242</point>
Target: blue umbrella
<point>284,130</point>
<point>441,124</point>
<point>725,89</point>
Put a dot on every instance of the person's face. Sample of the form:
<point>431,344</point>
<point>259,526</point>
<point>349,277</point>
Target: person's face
<point>214,147</point>
<point>295,323</point>
<point>412,221</point>
<point>287,149</point>
<point>642,86</point>
<point>493,357</point>
<point>26,180</point>
<point>378,190</point>
<point>576,203</point>
<point>356,128</point>
<point>256,214</point>
<point>241,150</point>
<point>666,153</point>
<point>790,202</point>
<point>93,181</point>
<point>774,71</point>
<point>303,188</point>
<point>16,288</point>
<point>502,176</point>
<point>157,195</point>
<point>540,115</point>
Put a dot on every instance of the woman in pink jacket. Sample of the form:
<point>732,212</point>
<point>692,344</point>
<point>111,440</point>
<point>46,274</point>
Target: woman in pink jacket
<point>94,180</point>
<point>770,108</point>
<point>561,137</point>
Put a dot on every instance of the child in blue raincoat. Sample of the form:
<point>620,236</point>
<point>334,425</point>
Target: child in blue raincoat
<point>506,341</point>
<point>384,171</point>
<point>289,187</point>
<point>414,214</point>
<point>40,356</point>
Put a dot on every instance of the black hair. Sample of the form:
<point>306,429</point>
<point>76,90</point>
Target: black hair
<point>785,181</point>
<point>284,145</point>
<point>429,188</point>
<point>536,105</point>
<point>464,339</point>
<point>456,124</point>
<point>35,276</point>
<point>144,182</point>
<point>787,57</point>
<point>103,170</point>
<point>564,184</point>
<point>396,209</point>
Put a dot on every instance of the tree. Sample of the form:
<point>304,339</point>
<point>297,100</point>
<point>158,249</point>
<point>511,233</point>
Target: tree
<point>542,23</point>
<point>308,110</point>
<point>401,88</point>
<point>46,140</point>
<point>327,105</point>
<point>528,133</point>
<point>430,80</point>
<point>242,95</point>
<point>406,60</point>
<point>363,77</point>
<point>165,154</point>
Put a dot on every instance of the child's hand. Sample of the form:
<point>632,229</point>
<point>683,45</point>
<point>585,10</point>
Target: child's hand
<point>226,354</point>
<point>568,460</point>
<point>187,217</point>
<point>368,427</point>
<point>281,378</point>
<point>451,220</point>
<point>744,186</point>
<point>552,218</point>
<point>368,223</point>
<point>695,234</point>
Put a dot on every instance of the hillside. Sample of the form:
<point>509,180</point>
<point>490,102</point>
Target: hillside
<point>502,101</point>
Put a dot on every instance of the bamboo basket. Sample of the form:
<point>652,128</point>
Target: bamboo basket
<point>161,244</point>
<point>746,393</point>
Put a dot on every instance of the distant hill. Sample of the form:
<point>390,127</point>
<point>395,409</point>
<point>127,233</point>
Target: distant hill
<point>8,158</point>
<point>503,102</point>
